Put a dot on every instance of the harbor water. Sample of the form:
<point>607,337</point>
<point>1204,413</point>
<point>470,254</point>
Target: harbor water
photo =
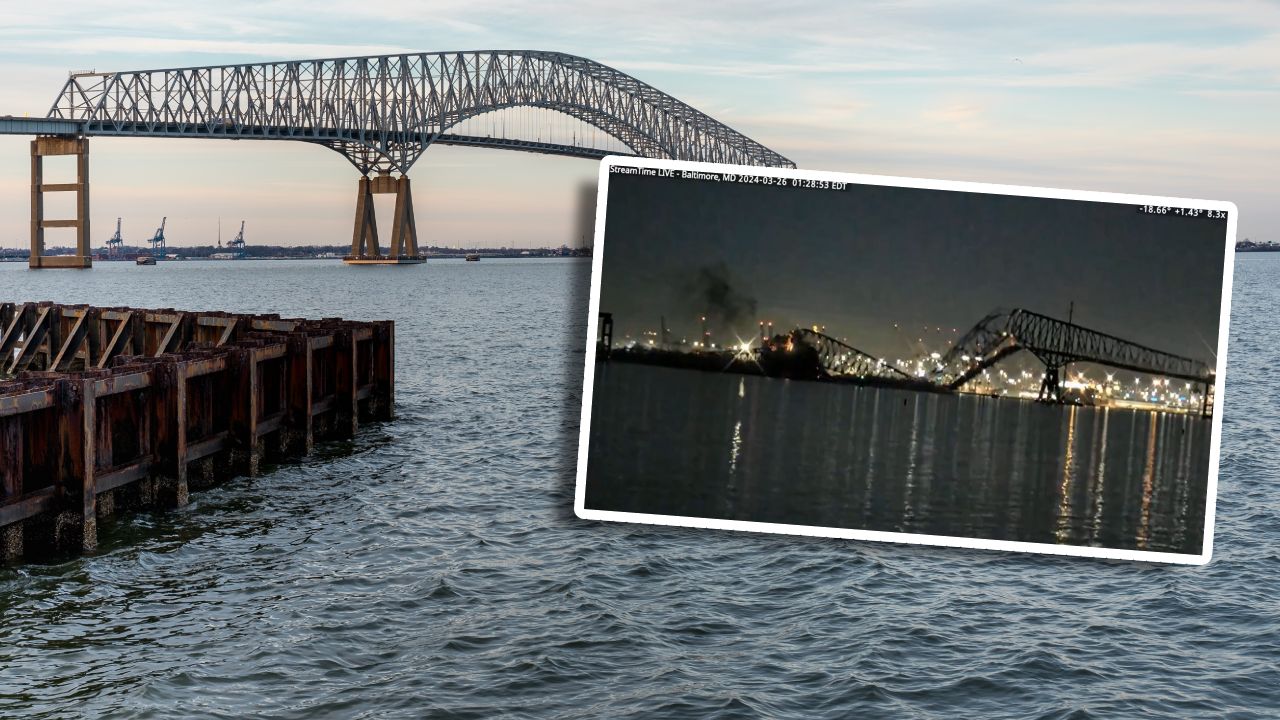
<point>731,447</point>
<point>434,568</point>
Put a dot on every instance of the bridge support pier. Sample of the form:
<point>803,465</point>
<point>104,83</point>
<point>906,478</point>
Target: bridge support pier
<point>41,147</point>
<point>365,249</point>
<point>604,336</point>
<point>1050,386</point>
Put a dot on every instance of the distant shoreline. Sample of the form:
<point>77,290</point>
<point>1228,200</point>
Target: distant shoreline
<point>484,256</point>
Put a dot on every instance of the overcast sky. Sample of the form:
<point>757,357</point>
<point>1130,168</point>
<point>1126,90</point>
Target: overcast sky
<point>1144,97</point>
<point>878,264</point>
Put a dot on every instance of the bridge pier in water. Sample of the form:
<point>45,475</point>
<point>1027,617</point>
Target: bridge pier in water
<point>41,147</point>
<point>1051,385</point>
<point>365,248</point>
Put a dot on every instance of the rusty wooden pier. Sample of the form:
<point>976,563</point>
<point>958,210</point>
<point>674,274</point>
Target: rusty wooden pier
<point>111,408</point>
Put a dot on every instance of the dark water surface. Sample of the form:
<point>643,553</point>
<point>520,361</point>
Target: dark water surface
<point>435,569</point>
<point>666,441</point>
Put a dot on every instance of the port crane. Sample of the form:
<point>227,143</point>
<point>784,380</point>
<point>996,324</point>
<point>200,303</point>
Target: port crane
<point>157,241</point>
<point>236,246</point>
<point>115,245</point>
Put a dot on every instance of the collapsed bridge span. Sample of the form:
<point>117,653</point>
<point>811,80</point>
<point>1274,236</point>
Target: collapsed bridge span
<point>1057,343</point>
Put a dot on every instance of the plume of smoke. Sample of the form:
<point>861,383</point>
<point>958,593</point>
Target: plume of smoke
<point>712,290</point>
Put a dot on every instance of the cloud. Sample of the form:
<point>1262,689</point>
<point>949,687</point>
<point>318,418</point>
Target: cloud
<point>768,69</point>
<point>966,114</point>
<point>275,50</point>
<point>1184,63</point>
<point>1145,96</point>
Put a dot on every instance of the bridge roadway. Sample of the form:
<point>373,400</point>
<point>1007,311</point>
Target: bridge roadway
<point>10,125</point>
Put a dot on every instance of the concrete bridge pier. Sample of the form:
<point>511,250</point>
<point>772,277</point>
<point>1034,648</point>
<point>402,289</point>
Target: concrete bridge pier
<point>365,249</point>
<point>1050,385</point>
<point>41,147</point>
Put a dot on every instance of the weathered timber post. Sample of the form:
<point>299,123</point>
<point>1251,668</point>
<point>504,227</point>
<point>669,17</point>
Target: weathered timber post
<point>297,437</point>
<point>89,464</point>
<point>137,333</point>
<point>382,404</point>
<point>11,471</point>
<point>75,527</point>
<point>169,408</point>
<point>346,402</point>
<point>243,369</point>
<point>93,344</point>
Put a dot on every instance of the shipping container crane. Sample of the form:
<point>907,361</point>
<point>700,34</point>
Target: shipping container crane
<point>157,241</point>
<point>115,246</point>
<point>236,246</point>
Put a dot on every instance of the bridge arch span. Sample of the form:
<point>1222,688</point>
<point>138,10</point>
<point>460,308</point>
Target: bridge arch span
<point>382,112</point>
<point>638,140</point>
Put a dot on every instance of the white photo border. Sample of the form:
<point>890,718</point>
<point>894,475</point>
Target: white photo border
<point>597,266</point>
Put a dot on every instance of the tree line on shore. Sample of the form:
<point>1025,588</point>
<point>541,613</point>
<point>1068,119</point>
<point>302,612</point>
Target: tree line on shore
<point>1247,245</point>
<point>299,251</point>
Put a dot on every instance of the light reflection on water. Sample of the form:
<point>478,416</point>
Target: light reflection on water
<point>878,459</point>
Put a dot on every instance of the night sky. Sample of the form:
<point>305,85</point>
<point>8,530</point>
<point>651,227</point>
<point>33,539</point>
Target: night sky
<point>861,260</point>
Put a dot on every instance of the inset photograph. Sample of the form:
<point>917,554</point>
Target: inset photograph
<point>908,360</point>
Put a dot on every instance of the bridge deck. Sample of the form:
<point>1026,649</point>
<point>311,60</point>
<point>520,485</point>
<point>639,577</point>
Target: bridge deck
<point>11,125</point>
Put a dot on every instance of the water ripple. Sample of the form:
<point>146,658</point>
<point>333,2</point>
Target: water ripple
<point>433,567</point>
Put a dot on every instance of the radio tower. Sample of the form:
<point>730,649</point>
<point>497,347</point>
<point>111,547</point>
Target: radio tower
<point>115,246</point>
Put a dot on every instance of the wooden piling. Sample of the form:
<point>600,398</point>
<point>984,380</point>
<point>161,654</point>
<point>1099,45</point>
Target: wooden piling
<point>106,409</point>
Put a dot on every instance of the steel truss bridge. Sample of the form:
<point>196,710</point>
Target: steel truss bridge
<point>839,358</point>
<point>1056,344</point>
<point>380,113</point>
